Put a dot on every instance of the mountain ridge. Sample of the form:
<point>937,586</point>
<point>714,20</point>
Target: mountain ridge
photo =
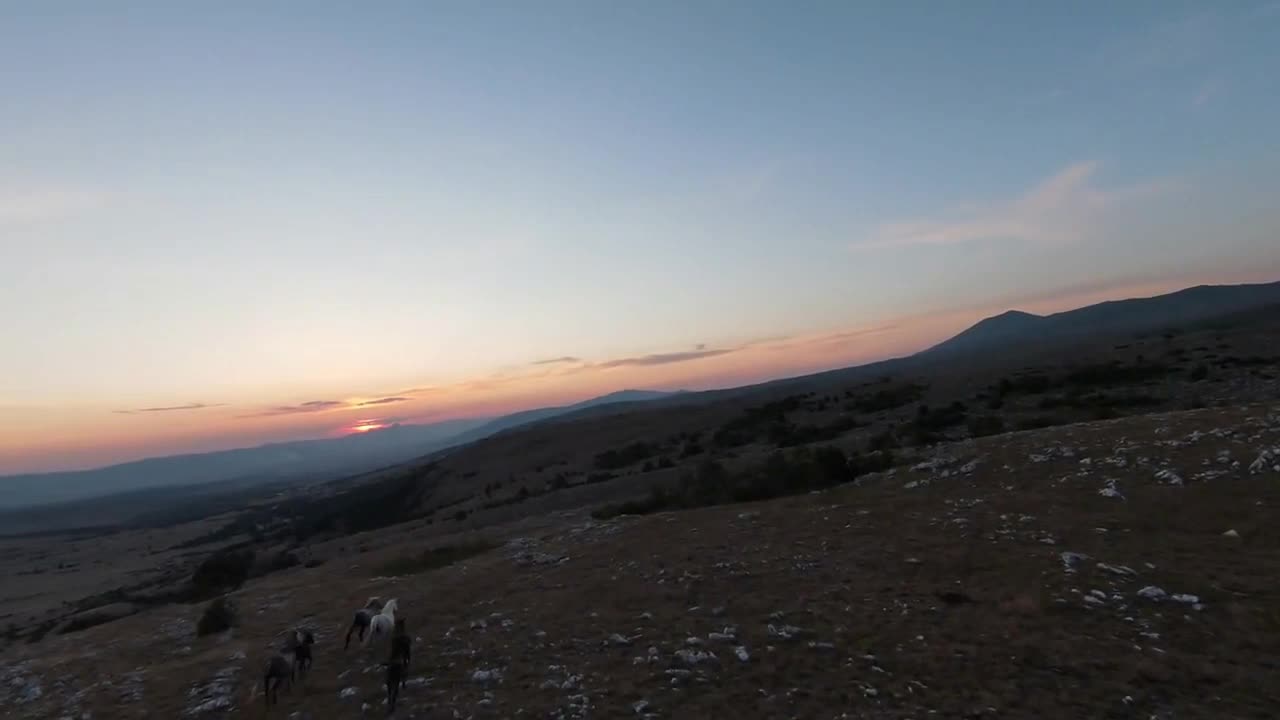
<point>1142,314</point>
<point>1002,331</point>
<point>312,460</point>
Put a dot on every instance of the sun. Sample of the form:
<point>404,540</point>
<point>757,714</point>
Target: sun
<point>365,426</point>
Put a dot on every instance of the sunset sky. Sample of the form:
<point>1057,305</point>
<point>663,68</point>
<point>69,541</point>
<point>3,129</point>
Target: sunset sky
<point>229,223</point>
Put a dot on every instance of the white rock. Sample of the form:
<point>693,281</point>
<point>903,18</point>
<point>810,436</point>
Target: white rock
<point>1184,598</point>
<point>1231,534</point>
<point>348,693</point>
<point>484,676</point>
<point>1072,559</point>
<point>1117,569</point>
<point>1264,459</point>
<point>1151,592</point>
<point>696,657</point>
<point>742,653</point>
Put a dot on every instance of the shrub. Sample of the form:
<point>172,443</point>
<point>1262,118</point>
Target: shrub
<point>218,616</point>
<point>224,570</point>
<point>1039,421</point>
<point>1199,372</point>
<point>434,558</point>
<point>984,425</point>
<point>622,457</point>
<point>884,440</point>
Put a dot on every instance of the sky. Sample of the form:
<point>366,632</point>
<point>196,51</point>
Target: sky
<point>229,223</point>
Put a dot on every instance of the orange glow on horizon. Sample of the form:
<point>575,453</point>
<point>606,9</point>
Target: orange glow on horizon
<point>43,439</point>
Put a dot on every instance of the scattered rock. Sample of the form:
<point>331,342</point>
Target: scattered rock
<point>1070,560</point>
<point>348,693</point>
<point>1231,534</point>
<point>696,657</point>
<point>1153,593</point>
<point>1118,569</point>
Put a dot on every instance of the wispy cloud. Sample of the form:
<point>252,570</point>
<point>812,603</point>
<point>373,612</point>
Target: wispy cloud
<point>416,391</point>
<point>662,358</point>
<point>1062,208</point>
<point>382,401</point>
<point>563,360</point>
<point>306,407</point>
<point>171,408</point>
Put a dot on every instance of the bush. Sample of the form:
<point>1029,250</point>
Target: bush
<point>881,441</point>
<point>219,616</point>
<point>622,457</point>
<point>222,571</point>
<point>783,473</point>
<point>985,425</point>
<point>1199,372</point>
<point>283,560</point>
<point>434,558</point>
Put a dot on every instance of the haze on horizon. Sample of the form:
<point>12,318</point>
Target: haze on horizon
<point>232,224</point>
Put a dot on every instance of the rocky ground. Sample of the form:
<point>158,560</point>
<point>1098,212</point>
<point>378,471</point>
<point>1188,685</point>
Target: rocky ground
<point>1115,569</point>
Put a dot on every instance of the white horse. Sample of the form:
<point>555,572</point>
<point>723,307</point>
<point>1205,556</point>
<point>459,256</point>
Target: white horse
<point>382,623</point>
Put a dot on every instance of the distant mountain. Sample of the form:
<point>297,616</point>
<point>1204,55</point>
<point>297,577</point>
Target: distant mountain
<point>1116,317</point>
<point>303,461</point>
<point>527,417</point>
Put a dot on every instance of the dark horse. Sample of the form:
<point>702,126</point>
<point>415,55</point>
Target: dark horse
<point>300,642</point>
<point>362,619</point>
<point>398,664</point>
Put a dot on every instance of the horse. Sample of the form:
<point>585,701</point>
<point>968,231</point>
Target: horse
<point>361,620</point>
<point>299,643</point>
<point>398,664</point>
<point>382,623</point>
<point>278,671</point>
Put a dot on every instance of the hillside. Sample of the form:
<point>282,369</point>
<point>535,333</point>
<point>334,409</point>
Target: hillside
<point>1162,312</point>
<point>1117,568</point>
<point>1023,334</point>
<point>129,489</point>
<point>615,401</point>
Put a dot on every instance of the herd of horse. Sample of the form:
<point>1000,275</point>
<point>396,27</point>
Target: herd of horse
<point>375,619</point>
